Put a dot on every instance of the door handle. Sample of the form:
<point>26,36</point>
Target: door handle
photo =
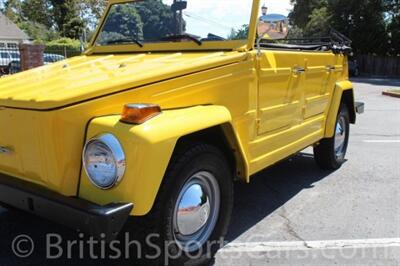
<point>330,68</point>
<point>299,70</point>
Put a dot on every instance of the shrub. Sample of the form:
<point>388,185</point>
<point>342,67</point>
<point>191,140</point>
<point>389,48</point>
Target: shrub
<point>64,46</point>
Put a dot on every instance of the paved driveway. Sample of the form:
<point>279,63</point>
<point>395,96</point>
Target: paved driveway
<point>293,213</point>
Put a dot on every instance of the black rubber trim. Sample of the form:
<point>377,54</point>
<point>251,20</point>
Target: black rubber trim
<point>78,214</point>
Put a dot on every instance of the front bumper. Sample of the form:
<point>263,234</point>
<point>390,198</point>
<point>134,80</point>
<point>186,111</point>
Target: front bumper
<point>75,213</point>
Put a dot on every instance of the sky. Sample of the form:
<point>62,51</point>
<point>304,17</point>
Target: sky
<point>278,6</point>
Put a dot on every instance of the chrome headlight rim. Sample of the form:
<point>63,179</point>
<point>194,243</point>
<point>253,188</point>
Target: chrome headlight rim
<point>118,154</point>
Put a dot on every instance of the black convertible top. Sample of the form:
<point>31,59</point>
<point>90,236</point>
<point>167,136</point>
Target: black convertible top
<point>307,47</point>
<point>336,42</point>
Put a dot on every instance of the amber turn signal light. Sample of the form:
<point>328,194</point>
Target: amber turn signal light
<point>139,113</point>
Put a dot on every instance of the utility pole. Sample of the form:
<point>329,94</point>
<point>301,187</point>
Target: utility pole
<point>178,17</point>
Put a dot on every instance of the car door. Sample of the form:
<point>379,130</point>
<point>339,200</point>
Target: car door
<point>318,82</point>
<point>279,91</point>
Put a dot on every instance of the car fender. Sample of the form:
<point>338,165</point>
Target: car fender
<point>148,149</point>
<point>343,92</point>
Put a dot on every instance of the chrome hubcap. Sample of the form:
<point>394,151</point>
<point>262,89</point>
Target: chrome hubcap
<point>340,137</point>
<point>196,211</point>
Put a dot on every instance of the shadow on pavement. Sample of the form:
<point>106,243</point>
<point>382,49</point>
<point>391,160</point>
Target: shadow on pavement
<point>268,191</point>
<point>271,189</point>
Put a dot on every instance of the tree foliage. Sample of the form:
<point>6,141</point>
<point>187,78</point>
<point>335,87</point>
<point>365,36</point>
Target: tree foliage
<point>147,20</point>
<point>114,29</point>
<point>302,9</point>
<point>240,34</point>
<point>45,20</point>
<point>393,10</point>
<point>319,22</point>
<point>36,11</point>
<point>157,18</point>
<point>373,25</point>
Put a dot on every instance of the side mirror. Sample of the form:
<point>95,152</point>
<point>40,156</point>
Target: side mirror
<point>178,6</point>
<point>274,26</point>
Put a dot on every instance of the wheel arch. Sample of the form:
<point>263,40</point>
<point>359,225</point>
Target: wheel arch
<point>348,100</point>
<point>223,137</point>
<point>149,148</point>
<point>343,94</point>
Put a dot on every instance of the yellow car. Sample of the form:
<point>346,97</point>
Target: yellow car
<point>171,103</point>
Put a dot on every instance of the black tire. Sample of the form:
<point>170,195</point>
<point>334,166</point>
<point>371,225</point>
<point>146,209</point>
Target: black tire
<point>186,161</point>
<point>325,154</point>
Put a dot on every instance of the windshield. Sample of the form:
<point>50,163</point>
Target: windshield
<point>152,21</point>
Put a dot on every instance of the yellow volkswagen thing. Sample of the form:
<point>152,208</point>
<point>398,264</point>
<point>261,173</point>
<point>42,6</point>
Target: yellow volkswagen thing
<point>170,104</point>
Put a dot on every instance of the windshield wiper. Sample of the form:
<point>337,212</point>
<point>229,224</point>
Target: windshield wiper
<point>125,40</point>
<point>181,37</point>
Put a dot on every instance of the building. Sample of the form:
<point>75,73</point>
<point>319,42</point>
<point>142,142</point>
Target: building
<point>10,35</point>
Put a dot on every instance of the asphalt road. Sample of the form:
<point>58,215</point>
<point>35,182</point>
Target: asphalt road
<point>293,213</point>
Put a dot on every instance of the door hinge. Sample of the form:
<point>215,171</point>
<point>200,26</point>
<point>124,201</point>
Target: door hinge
<point>258,123</point>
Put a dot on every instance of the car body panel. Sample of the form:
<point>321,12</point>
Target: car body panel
<point>87,77</point>
<point>339,89</point>
<point>149,148</point>
<point>48,144</point>
<point>270,104</point>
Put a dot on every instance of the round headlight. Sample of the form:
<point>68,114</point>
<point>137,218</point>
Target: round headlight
<point>104,161</point>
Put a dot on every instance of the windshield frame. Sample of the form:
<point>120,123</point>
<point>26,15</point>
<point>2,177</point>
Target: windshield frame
<point>173,46</point>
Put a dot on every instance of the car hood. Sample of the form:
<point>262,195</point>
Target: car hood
<point>87,77</point>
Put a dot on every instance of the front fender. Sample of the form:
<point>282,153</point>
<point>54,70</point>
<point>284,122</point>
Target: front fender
<point>148,149</point>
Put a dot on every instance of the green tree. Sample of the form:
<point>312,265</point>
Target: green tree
<point>319,23</point>
<point>393,10</point>
<point>295,32</point>
<point>12,9</point>
<point>363,21</point>
<point>67,17</point>
<point>240,34</point>
<point>123,22</point>
<point>157,18</point>
<point>92,11</point>
<point>37,11</point>
<point>38,32</point>
<point>43,19</point>
<point>302,9</point>
<point>94,7</point>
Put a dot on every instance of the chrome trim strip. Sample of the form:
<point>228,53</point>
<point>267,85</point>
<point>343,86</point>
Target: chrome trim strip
<point>5,150</point>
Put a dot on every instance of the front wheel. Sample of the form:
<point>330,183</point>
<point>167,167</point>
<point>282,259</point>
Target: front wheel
<point>330,153</point>
<point>194,205</point>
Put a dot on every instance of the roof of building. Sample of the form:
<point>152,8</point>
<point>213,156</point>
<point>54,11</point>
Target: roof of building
<point>10,31</point>
<point>273,18</point>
